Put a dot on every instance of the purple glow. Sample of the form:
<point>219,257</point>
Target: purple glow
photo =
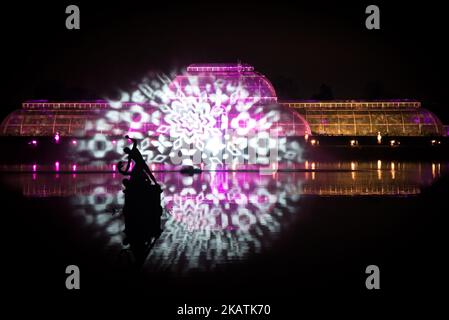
<point>33,143</point>
<point>57,137</point>
<point>34,167</point>
<point>74,167</point>
<point>57,165</point>
<point>74,142</point>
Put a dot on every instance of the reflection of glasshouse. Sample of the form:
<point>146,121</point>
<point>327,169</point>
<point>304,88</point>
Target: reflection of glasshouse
<point>333,118</point>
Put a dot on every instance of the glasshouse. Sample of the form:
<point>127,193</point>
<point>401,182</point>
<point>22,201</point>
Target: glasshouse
<point>368,118</point>
<point>209,99</point>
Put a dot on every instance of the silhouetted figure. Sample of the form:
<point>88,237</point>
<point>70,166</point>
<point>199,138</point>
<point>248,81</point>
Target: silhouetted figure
<point>142,210</point>
<point>140,169</point>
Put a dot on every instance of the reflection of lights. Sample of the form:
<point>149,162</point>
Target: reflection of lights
<point>394,143</point>
<point>379,171</point>
<point>313,170</point>
<point>353,170</point>
<point>393,171</point>
<point>100,199</point>
<point>435,142</point>
<point>436,170</point>
<point>379,137</point>
<point>57,137</point>
<point>201,229</point>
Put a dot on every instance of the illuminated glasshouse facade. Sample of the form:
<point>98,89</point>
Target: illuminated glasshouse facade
<point>368,118</point>
<point>210,98</point>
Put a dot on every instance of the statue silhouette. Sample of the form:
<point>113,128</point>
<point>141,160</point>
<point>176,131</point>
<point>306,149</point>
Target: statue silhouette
<point>140,169</point>
<point>142,210</point>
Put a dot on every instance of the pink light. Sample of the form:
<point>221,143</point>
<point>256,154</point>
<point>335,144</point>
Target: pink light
<point>57,137</point>
<point>74,167</point>
<point>57,165</point>
<point>33,143</point>
<point>114,141</point>
<point>34,167</point>
<point>114,167</point>
<point>74,142</point>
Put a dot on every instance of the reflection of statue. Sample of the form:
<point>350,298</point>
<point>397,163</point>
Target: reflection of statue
<point>142,210</point>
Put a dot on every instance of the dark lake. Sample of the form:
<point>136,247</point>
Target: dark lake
<point>240,234</point>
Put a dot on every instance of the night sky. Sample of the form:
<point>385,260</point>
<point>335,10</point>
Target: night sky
<point>298,47</point>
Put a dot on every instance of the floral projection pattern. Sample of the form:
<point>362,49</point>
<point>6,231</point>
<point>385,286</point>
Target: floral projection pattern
<point>225,117</point>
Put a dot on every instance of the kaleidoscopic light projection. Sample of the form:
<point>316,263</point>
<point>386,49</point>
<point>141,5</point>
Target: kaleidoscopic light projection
<point>209,220</point>
<point>211,115</point>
